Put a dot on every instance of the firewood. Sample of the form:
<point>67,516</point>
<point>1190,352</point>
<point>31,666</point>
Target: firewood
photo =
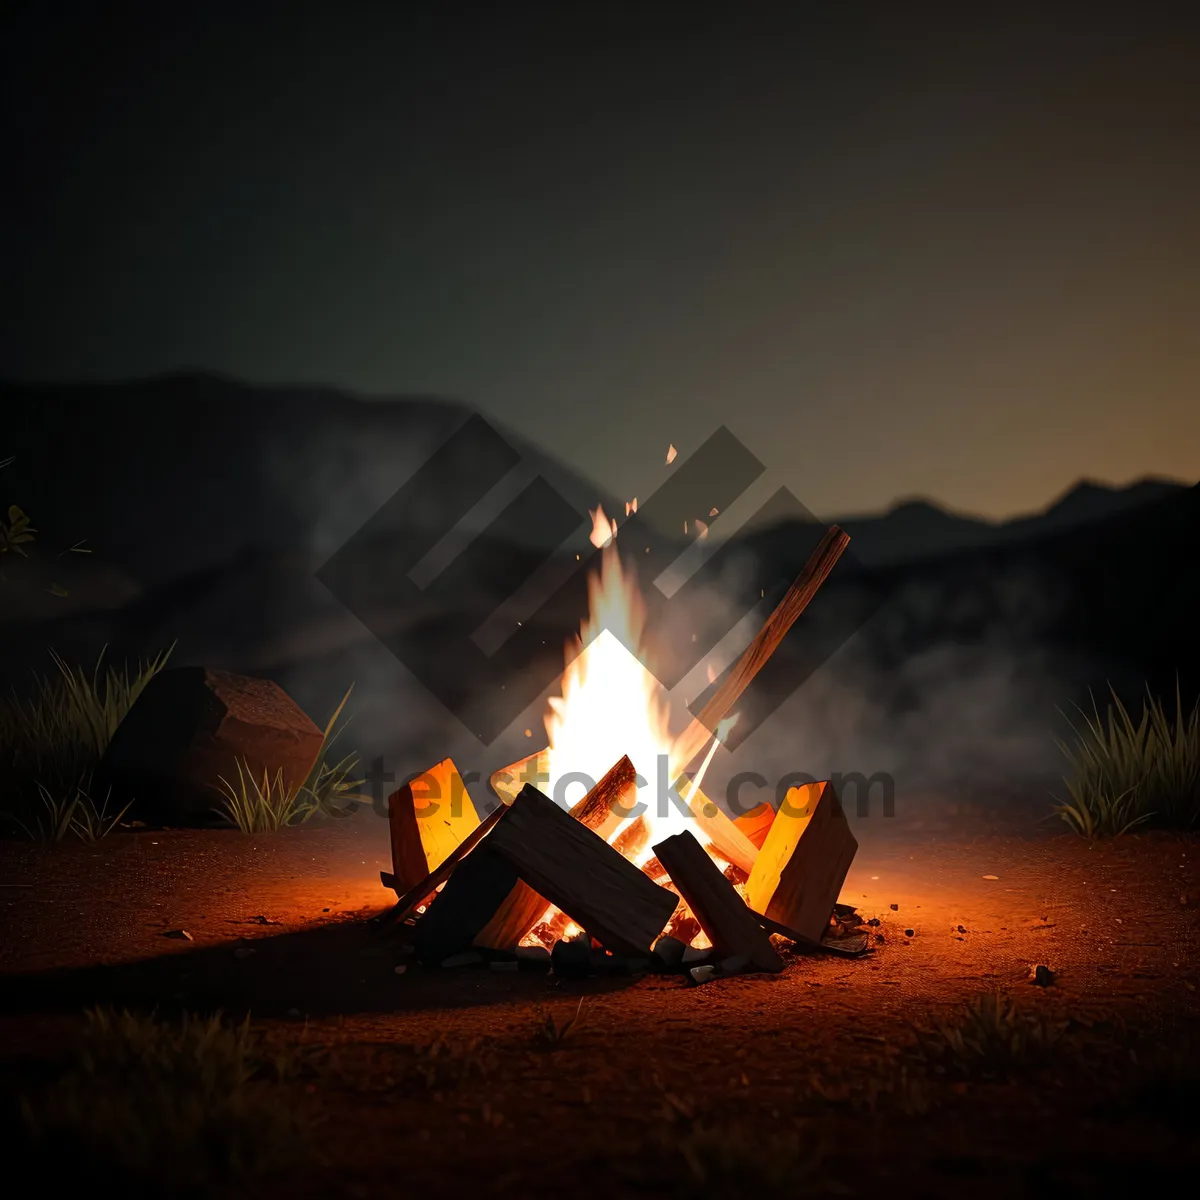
<point>756,824</point>
<point>803,862</point>
<point>464,906</point>
<point>723,915</point>
<point>724,836</point>
<point>601,810</point>
<point>766,642</point>
<point>428,818</point>
<point>579,872</point>
<point>426,887</point>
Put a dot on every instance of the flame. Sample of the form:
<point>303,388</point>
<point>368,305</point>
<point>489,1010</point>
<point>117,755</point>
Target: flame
<point>611,705</point>
<point>603,530</point>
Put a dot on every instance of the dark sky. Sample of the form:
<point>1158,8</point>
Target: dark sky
<point>896,253</point>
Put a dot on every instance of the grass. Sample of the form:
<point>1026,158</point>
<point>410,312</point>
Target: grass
<point>550,1033</point>
<point>189,1109</point>
<point>54,740</point>
<point>990,1037</point>
<point>266,805</point>
<point>1125,773</point>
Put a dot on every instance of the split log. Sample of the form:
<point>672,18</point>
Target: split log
<point>726,838</point>
<point>731,842</point>
<point>577,870</point>
<point>422,890</point>
<point>731,926</point>
<point>464,906</point>
<point>508,781</point>
<point>803,861</point>
<point>601,810</point>
<point>756,824</point>
<point>428,819</point>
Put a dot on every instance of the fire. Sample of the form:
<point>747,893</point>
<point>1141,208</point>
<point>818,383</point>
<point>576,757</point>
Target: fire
<point>611,705</point>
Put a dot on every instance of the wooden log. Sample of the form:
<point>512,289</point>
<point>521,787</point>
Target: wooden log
<point>756,824</point>
<point>732,928</point>
<point>428,818</point>
<point>577,870</point>
<point>803,861</point>
<point>601,810</point>
<point>422,890</point>
<point>508,781</point>
<point>700,732</point>
<point>726,838</point>
<point>464,906</point>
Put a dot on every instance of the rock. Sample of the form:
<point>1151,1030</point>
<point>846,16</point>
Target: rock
<point>894,907</point>
<point>669,951</point>
<point>961,929</point>
<point>874,922</point>
<point>910,933</point>
<point>533,958</point>
<point>703,974</point>
<point>571,960</point>
<point>734,965</point>
<point>1042,975</point>
<point>181,934</point>
<point>189,728</point>
<point>879,937</point>
<point>992,877</point>
<point>696,954</point>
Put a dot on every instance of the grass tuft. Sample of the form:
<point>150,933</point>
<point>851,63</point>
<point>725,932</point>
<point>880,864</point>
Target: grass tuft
<point>266,805</point>
<point>1126,773</point>
<point>549,1032</point>
<point>162,1109</point>
<point>990,1037</point>
<point>54,739</point>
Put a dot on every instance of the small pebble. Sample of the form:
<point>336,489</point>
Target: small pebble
<point>401,968</point>
<point>910,933</point>
<point>894,907</point>
<point>181,934</point>
<point>991,877</point>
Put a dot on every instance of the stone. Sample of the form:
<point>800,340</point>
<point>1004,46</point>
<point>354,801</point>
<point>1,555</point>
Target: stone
<point>189,728</point>
<point>669,951</point>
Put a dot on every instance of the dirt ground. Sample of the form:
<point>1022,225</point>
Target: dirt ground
<point>662,1087</point>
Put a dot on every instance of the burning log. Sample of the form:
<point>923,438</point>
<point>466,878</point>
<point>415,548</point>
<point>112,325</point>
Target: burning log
<point>756,824</point>
<point>726,837</point>
<point>577,870</point>
<point>428,819</point>
<point>721,912</point>
<point>803,862</point>
<point>600,811</point>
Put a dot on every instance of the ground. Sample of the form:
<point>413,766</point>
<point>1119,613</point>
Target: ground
<point>809,1082</point>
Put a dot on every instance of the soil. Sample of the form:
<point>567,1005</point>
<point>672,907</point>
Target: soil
<point>661,1087</point>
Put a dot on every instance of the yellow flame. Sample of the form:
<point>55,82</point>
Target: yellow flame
<point>603,530</point>
<point>611,705</point>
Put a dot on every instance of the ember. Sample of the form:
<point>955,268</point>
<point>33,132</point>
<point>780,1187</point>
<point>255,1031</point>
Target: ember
<point>546,869</point>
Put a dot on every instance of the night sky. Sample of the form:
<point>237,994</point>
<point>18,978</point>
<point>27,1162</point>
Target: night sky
<point>896,255</point>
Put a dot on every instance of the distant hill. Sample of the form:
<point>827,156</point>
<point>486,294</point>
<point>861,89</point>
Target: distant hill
<point>210,505</point>
<point>915,529</point>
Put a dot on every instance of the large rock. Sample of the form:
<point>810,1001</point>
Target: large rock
<point>189,728</point>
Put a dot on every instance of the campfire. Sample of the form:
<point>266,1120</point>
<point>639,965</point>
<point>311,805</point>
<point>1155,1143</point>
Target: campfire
<point>597,880</point>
